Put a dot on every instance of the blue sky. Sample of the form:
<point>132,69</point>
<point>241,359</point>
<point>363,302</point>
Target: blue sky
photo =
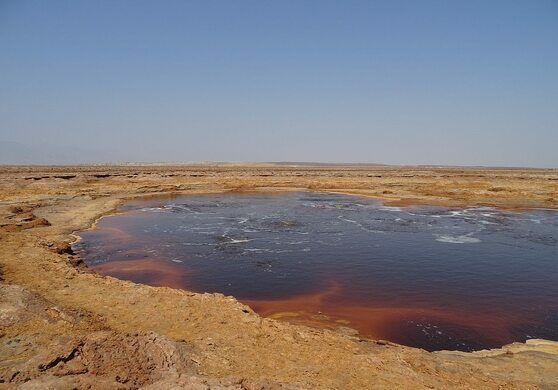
<point>398,82</point>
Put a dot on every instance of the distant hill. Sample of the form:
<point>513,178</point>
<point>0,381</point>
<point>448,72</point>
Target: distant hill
<point>325,164</point>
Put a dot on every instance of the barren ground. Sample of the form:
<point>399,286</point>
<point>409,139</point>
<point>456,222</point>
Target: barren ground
<point>62,326</point>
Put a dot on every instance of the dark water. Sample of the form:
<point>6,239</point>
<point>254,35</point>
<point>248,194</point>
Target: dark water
<point>430,277</point>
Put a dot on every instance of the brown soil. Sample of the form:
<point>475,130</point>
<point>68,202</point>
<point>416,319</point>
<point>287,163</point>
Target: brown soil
<point>64,326</point>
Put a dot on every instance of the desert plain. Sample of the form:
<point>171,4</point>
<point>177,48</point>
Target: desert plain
<point>64,326</point>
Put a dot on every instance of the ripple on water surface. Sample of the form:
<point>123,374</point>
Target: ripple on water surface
<point>431,277</point>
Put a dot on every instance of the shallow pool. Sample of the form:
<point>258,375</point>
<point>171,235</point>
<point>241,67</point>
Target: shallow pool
<point>430,277</point>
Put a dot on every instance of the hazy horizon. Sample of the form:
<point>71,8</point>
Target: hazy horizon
<point>380,82</point>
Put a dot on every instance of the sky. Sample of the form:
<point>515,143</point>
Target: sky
<point>396,82</point>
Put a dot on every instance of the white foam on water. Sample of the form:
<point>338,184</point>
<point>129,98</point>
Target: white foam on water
<point>234,241</point>
<point>347,220</point>
<point>153,209</point>
<point>176,260</point>
<point>257,250</point>
<point>360,225</point>
<point>463,239</point>
<point>425,215</point>
<point>390,208</point>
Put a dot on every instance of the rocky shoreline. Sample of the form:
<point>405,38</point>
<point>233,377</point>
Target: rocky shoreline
<point>62,326</point>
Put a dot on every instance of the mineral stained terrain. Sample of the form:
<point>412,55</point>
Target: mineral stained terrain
<point>63,326</point>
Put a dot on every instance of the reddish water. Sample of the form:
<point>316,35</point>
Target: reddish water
<point>428,277</point>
